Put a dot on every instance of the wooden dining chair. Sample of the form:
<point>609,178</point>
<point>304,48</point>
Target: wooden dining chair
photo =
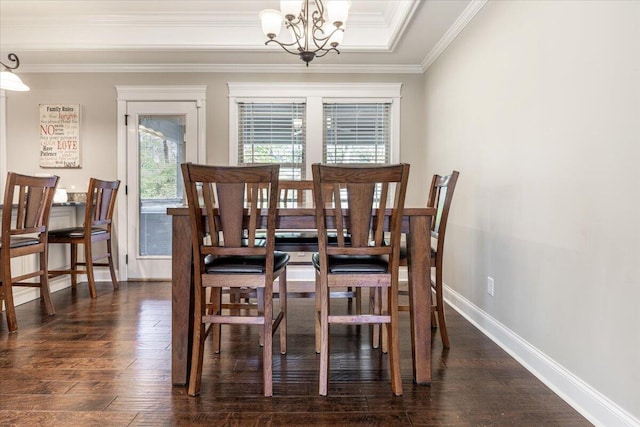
<point>294,193</point>
<point>440,197</point>
<point>24,232</point>
<point>101,201</point>
<point>361,196</point>
<point>226,256</point>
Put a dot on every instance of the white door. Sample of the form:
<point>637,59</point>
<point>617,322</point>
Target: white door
<point>160,136</point>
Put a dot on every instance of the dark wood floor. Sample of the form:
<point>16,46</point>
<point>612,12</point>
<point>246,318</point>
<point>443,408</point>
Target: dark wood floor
<point>106,362</point>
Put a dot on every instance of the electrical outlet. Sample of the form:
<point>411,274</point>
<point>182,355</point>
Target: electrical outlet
<point>490,286</point>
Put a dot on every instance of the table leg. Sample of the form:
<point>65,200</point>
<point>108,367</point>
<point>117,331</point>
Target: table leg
<point>418,253</point>
<point>182,300</point>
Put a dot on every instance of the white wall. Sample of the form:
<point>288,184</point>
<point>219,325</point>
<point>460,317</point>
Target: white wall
<point>537,104</point>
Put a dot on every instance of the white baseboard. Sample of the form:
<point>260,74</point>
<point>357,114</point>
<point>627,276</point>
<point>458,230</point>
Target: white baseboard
<point>590,403</point>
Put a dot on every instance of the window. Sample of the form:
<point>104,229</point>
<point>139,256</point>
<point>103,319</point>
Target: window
<point>296,125</point>
<point>161,150</point>
<point>356,133</point>
<point>273,133</point>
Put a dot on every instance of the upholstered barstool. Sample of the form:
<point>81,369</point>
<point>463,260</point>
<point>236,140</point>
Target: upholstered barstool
<point>361,197</point>
<point>101,200</point>
<point>227,256</point>
<point>24,232</point>
<point>440,197</point>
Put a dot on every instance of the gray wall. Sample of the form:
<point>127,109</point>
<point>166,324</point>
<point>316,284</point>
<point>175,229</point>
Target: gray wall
<point>97,96</point>
<point>537,104</point>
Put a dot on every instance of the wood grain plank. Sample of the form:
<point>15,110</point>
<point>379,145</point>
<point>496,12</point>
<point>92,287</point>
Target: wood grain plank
<point>473,383</point>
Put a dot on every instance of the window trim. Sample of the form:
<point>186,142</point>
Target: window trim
<point>314,94</point>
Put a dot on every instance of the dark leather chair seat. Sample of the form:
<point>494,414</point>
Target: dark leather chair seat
<point>74,232</point>
<point>356,264</point>
<point>20,242</point>
<point>297,237</point>
<point>248,264</point>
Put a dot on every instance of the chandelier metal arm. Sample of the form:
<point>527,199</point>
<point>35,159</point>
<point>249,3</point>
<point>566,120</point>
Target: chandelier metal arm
<point>299,30</point>
<point>324,40</point>
<point>299,48</point>
<point>319,10</point>
<point>325,51</point>
<point>13,58</point>
<point>287,46</point>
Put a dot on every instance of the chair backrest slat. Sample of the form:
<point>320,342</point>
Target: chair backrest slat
<point>205,195</point>
<point>34,208</point>
<point>253,206</point>
<point>360,201</point>
<point>101,202</point>
<point>231,209</point>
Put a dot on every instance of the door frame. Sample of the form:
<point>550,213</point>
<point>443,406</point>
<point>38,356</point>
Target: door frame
<point>166,93</point>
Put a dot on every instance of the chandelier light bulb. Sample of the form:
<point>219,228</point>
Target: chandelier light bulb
<point>271,22</point>
<point>338,11</point>
<point>290,9</point>
<point>336,36</point>
<point>10,81</point>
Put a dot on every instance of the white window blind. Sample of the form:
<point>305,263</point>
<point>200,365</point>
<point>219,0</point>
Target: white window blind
<point>273,133</point>
<point>357,133</point>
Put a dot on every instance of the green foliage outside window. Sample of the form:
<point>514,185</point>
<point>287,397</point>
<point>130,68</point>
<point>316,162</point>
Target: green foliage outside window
<point>158,175</point>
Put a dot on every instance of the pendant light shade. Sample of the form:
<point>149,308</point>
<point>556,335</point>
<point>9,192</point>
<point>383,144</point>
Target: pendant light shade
<point>10,81</point>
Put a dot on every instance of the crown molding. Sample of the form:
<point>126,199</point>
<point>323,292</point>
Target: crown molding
<point>400,17</point>
<point>158,30</point>
<point>226,68</point>
<point>138,19</point>
<point>465,17</point>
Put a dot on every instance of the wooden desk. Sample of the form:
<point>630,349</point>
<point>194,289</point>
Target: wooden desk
<point>416,225</point>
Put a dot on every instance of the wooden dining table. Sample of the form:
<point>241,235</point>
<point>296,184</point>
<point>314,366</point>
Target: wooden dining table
<point>416,226</point>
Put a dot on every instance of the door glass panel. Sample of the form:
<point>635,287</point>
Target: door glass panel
<point>161,141</point>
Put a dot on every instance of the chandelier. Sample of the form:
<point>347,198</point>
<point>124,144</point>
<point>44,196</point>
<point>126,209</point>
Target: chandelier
<point>313,34</point>
<point>8,80</point>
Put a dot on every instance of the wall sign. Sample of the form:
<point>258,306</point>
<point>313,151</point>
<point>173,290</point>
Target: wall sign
<point>59,136</point>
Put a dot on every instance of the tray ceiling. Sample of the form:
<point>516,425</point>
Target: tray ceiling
<point>217,35</point>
